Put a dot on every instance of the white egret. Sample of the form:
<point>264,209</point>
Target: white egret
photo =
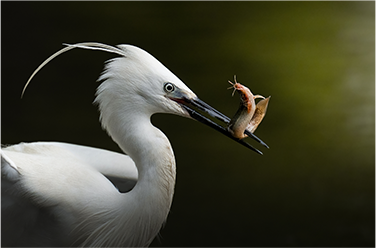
<point>59,194</point>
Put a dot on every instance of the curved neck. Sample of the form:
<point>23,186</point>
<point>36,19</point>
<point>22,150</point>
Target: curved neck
<point>152,153</point>
<point>142,211</point>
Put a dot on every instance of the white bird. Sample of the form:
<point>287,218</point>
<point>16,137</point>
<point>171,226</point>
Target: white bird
<point>59,194</point>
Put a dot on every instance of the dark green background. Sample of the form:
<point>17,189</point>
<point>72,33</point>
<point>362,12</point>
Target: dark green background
<point>315,186</point>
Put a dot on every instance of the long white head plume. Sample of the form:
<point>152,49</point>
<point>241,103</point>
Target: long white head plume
<point>84,45</point>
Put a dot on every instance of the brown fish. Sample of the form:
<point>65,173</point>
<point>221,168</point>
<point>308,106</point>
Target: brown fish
<point>249,114</point>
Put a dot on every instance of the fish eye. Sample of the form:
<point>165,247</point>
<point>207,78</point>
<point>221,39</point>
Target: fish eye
<point>169,87</point>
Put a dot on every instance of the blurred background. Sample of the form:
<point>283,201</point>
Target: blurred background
<point>315,186</point>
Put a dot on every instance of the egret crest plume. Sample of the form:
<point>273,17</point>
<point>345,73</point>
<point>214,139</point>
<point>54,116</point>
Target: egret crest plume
<point>83,45</point>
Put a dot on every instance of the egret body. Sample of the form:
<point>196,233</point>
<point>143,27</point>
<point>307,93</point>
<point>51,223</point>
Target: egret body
<point>59,194</point>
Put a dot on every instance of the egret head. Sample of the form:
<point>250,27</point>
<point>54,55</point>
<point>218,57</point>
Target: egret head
<point>141,82</point>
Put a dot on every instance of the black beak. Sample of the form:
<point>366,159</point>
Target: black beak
<point>189,104</point>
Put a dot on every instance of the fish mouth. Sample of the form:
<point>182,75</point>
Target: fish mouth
<point>194,105</point>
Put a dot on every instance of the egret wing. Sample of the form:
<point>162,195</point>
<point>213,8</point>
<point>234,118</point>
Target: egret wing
<point>23,222</point>
<point>118,168</point>
<point>32,175</point>
<point>109,163</point>
<point>53,159</point>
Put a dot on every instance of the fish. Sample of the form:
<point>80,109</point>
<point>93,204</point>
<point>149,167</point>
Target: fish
<point>249,114</point>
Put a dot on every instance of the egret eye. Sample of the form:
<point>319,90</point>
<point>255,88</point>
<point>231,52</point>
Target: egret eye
<point>169,87</point>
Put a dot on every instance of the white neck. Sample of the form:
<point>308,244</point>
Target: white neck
<point>140,213</point>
